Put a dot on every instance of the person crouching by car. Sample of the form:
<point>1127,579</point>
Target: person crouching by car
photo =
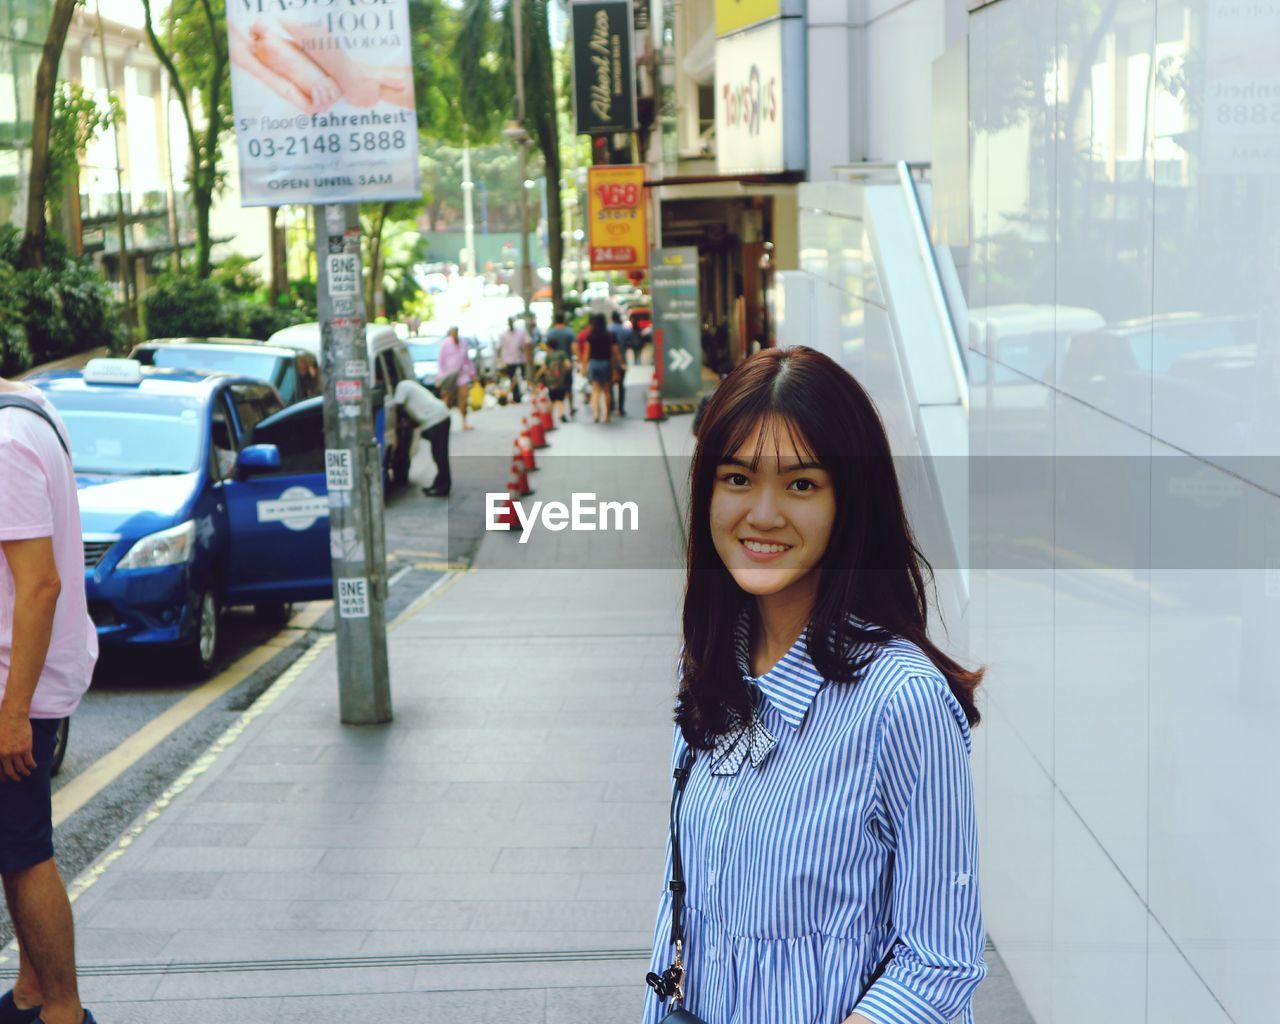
<point>432,416</point>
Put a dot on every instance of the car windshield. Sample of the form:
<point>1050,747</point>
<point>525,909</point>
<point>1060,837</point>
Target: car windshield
<point>424,351</point>
<point>126,432</point>
<point>262,365</point>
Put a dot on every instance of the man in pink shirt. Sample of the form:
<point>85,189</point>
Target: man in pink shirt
<point>48,647</point>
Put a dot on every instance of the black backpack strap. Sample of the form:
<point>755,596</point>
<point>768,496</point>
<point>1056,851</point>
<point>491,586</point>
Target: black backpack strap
<point>12,401</point>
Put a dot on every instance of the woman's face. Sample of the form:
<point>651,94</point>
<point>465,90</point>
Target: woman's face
<point>771,525</point>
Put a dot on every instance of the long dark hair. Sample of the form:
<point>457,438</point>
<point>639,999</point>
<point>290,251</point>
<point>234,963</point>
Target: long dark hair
<point>871,570</point>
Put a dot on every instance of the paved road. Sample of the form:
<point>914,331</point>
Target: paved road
<point>128,693</point>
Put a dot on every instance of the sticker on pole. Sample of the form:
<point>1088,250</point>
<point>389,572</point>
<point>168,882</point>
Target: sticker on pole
<point>349,390</point>
<point>323,101</point>
<point>297,508</point>
<point>337,469</point>
<point>344,274</point>
<point>353,597</point>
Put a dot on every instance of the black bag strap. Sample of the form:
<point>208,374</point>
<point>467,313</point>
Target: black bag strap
<point>676,885</point>
<point>682,772</point>
<point>12,401</point>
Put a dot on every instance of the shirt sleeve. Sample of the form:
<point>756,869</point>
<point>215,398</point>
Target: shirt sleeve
<point>26,510</point>
<point>922,763</point>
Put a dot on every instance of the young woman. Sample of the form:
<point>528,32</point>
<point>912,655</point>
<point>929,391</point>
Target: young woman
<point>600,367</point>
<point>826,829</point>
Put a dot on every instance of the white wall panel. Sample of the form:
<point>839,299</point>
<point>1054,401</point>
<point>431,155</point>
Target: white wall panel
<point>1017,861</point>
<point>1101,604</point>
<point>1125,192</point>
<point>1099,931</point>
<point>902,42</point>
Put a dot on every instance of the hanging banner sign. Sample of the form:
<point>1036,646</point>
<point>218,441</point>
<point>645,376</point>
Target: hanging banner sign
<point>323,101</point>
<point>760,97</point>
<point>677,320</point>
<point>617,227</point>
<point>604,74</point>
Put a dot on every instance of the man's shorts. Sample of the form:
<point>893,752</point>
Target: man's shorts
<point>26,807</point>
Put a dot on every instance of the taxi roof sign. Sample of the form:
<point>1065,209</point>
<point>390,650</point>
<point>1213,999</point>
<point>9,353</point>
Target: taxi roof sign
<point>112,371</point>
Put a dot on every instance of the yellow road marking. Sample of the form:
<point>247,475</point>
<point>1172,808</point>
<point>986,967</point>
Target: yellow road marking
<point>94,779</point>
<point>442,566</point>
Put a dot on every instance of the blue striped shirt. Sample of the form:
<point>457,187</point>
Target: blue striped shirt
<point>855,835</point>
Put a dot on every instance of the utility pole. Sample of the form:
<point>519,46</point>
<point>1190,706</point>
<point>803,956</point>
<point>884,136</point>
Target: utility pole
<point>518,19</point>
<point>468,211</point>
<point>353,472</point>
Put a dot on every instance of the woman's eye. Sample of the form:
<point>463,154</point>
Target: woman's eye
<point>735,479</point>
<point>804,485</point>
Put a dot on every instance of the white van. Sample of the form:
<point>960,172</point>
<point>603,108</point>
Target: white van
<point>389,357</point>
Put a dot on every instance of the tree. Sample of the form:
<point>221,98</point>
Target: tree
<point>195,56</point>
<point>32,253</point>
<point>374,220</point>
<point>486,62</point>
<point>78,119</point>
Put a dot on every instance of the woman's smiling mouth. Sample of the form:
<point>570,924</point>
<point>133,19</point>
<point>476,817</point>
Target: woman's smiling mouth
<point>763,551</point>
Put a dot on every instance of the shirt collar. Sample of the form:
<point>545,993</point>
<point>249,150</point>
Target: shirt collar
<point>791,685</point>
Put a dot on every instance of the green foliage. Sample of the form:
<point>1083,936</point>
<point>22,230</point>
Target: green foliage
<point>194,53</point>
<point>78,119</point>
<point>15,355</point>
<point>237,275</point>
<point>185,306</point>
<point>53,311</point>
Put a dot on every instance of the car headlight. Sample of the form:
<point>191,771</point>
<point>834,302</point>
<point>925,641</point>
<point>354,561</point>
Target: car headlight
<point>168,547</point>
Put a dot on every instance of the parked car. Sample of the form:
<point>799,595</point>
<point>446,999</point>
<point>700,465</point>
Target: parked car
<point>197,491</point>
<point>425,352</point>
<point>388,356</point>
<point>294,372</point>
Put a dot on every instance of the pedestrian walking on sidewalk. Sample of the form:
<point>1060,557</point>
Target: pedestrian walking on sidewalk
<point>600,346</point>
<point>556,372</point>
<point>562,336</point>
<point>457,370</point>
<point>432,416</point>
<point>513,353</point>
<point>618,391</point>
<point>48,647</point>
<point>825,863</point>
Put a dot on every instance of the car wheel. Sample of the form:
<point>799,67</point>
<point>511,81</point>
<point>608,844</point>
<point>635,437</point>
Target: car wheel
<point>59,746</point>
<point>273,613</point>
<point>200,654</point>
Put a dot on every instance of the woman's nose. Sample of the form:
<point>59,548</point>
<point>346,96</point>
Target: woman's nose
<point>765,510</point>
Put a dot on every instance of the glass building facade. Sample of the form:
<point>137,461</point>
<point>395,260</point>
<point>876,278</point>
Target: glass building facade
<point>23,27</point>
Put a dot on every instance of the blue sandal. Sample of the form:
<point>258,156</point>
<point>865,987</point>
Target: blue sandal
<point>10,1014</point>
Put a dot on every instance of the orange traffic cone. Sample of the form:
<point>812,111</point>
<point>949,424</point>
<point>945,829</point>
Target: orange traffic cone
<point>508,513</point>
<point>653,404</point>
<point>544,409</point>
<point>526,449</point>
<point>520,476</point>
<point>537,436</point>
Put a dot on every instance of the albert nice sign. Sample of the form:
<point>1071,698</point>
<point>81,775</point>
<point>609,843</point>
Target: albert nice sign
<point>604,88</point>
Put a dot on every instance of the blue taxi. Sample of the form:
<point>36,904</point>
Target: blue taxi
<point>197,491</point>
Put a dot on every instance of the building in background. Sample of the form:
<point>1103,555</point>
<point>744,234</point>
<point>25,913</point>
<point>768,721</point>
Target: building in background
<point>726,152</point>
<point>23,27</point>
<point>131,195</point>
